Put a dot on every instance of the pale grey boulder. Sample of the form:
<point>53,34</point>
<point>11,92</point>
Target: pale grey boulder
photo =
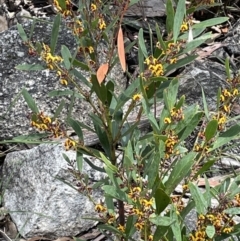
<point>42,204</point>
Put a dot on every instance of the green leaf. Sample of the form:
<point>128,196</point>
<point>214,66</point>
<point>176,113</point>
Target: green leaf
<point>226,137</point>
<point>99,90</point>
<point>192,45</point>
<point>116,193</point>
<point>59,109</point>
<point>54,93</point>
<point>227,68</point>
<point>90,163</point>
<point>79,160</point>
<point>181,62</point>
<point>150,115</point>
<point>77,63</point>
<point>205,167</point>
<point>180,171</point>
<point>133,2</point>
<point>160,232</point>
<point>142,43</point>
<point>211,129</point>
<point>130,229</point>
<point>232,211</point>
<point>55,32</point>
<point>210,231</point>
<point>30,67</point>
<point>108,163</point>
<point>62,4</point>
<point>160,39</point>
<point>22,32</point>
<point>109,228</point>
<point>191,125</point>
<point>180,102</point>
<point>76,127</point>
<point>66,158</point>
<point>35,136</point>
<point>70,106</point>
<point>170,94</point>
<point>210,22</point>
<point>205,106</point>
<point>162,200</point>
<point>178,19</point>
<point>80,77</point>
<point>170,16</point>
<point>30,101</point>
<point>176,228</point>
<point>66,56</point>
<point>200,202</point>
<point>32,28</point>
<point>160,220</point>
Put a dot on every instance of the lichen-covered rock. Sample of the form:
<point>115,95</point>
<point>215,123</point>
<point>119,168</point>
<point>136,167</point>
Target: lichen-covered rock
<point>13,52</point>
<point>39,201</point>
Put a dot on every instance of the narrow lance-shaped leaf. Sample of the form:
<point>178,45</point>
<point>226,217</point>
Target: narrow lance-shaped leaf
<point>22,33</point>
<point>170,16</point>
<point>180,171</point>
<point>30,101</point>
<point>121,50</point>
<point>178,19</point>
<point>211,129</point>
<point>66,56</point>
<point>142,43</point>
<point>210,22</point>
<point>76,127</point>
<point>162,200</point>
<point>200,202</point>
<point>29,67</point>
<point>55,32</point>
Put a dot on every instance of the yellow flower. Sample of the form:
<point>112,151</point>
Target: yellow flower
<point>167,120</point>
<point>63,82</point>
<point>150,237</point>
<point>139,225</point>
<point>100,208</point>
<point>184,27</point>
<point>121,228</point>
<point>93,7</point>
<point>69,143</point>
<point>89,49</point>
<point>111,219</point>
<point>235,92</point>
<point>228,230</point>
<point>173,61</point>
<point>101,24</point>
<point>136,97</point>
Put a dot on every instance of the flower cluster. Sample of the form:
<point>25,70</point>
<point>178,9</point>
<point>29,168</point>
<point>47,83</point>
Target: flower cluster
<point>106,217</point>
<point>43,122</point>
<point>170,144</point>
<point>221,222</point>
<point>142,208</point>
<point>51,60</point>
<point>154,66</point>
<point>65,12</point>
<point>176,115</point>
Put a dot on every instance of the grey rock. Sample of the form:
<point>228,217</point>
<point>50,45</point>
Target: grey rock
<point>207,75</point>
<point>42,204</point>
<point>13,52</point>
<point>23,15</point>
<point>3,24</point>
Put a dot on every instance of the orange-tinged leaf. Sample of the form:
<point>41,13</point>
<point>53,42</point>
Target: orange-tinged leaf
<point>121,50</point>
<point>101,72</point>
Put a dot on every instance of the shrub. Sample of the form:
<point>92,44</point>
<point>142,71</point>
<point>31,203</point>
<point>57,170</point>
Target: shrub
<point>143,178</point>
